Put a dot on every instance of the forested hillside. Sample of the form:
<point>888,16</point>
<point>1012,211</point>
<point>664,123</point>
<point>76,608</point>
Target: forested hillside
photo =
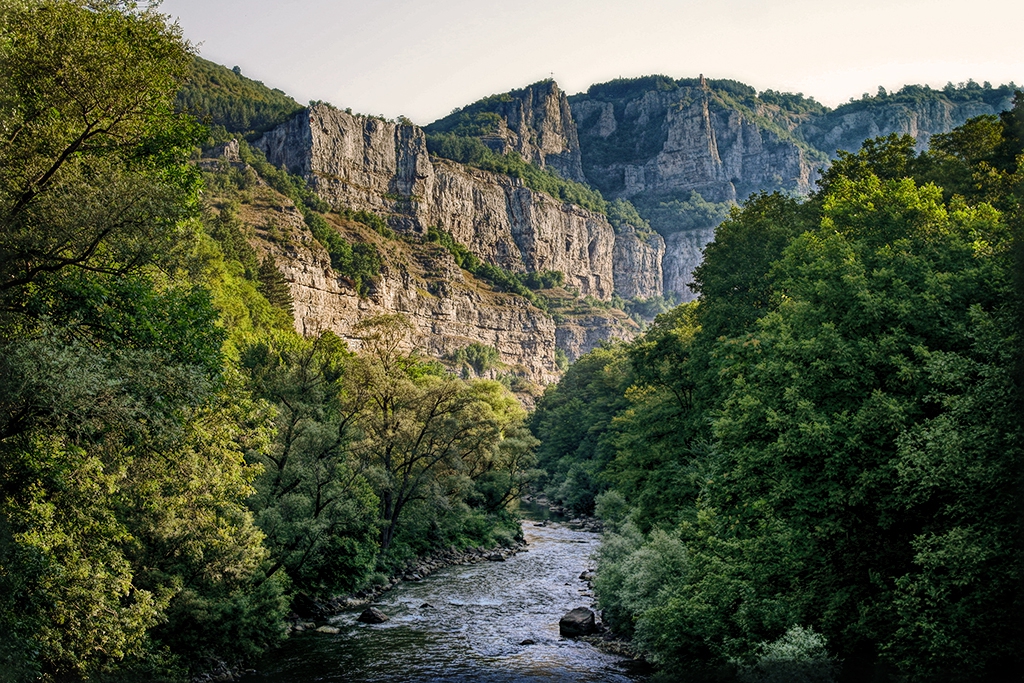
<point>230,103</point>
<point>814,472</point>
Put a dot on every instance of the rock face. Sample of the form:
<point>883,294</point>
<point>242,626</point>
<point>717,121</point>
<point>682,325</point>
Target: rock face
<point>578,622</point>
<point>660,146</point>
<point>359,162</point>
<point>585,333</point>
<point>364,163</point>
<point>637,263</point>
<point>668,143</point>
<point>537,122</point>
<point>656,140</point>
<point>447,307</point>
<point>455,314</point>
<point>848,126</point>
<point>683,253</point>
<point>653,145</point>
<point>521,230</point>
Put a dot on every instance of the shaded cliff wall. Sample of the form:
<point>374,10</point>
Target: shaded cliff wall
<point>659,146</point>
<point>670,143</point>
<point>848,126</point>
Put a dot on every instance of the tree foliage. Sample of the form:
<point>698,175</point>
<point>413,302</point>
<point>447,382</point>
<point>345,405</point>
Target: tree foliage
<point>124,485</point>
<point>819,456</point>
<point>422,431</point>
<point>230,103</point>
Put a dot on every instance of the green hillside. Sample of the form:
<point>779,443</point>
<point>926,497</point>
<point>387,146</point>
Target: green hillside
<point>231,103</point>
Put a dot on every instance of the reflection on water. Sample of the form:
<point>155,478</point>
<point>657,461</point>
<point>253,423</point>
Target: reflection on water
<point>465,623</point>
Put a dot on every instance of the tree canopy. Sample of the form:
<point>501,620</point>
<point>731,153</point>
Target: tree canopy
<point>813,470</point>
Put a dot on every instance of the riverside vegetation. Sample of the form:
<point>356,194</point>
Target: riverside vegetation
<point>815,470</point>
<point>810,472</point>
<point>175,461</point>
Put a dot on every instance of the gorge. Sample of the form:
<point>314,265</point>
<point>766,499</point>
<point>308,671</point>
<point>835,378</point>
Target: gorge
<point>682,151</point>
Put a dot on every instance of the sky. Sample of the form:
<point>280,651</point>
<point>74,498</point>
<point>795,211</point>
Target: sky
<point>424,58</point>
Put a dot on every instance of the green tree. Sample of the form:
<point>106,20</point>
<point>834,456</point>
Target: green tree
<point>311,499</point>
<point>832,433</point>
<point>104,114</point>
<point>419,426</point>
<point>123,483</point>
<point>573,421</point>
<point>828,394</point>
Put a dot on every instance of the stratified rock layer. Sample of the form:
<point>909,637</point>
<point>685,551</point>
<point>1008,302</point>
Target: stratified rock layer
<point>537,122</point>
<point>364,163</point>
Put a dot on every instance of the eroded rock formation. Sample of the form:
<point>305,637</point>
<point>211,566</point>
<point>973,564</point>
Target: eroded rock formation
<point>364,163</point>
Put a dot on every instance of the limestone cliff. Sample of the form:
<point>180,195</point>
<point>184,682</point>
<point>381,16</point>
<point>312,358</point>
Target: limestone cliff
<point>364,163</point>
<point>637,263</point>
<point>669,143</point>
<point>661,145</point>
<point>847,127</point>
<point>684,250</point>
<point>656,140</point>
<point>535,121</point>
<point>448,308</point>
<point>522,230</point>
<point>360,162</point>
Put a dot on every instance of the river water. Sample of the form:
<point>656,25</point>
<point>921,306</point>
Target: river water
<point>465,623</point>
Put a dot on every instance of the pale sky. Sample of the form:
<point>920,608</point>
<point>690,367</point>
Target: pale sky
<point>423,58</point>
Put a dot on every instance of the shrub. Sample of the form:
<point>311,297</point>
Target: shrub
<point>798,656</point>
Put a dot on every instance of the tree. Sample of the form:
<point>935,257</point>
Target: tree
<point>311,500</point>
<point>832,397</point>
<point>106,114</point>
<point>856,357</point>
<point>418,425</point>
<point>573,421</point>
<point>122,482</point>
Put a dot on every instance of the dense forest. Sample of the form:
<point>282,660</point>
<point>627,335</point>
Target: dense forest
<point>176,462</point>
<point>815,470</point>
<point>812,473</point>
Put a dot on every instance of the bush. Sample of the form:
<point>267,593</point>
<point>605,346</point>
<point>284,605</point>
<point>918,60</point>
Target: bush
<point>477,356</point>
<point>798,656</point>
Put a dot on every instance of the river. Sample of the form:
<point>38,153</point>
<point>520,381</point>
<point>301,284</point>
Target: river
<point>465,623</point>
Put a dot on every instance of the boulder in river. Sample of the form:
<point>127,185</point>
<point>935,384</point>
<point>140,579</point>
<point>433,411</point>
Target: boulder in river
<point>372,615</point>
<point>329,629</point>
<point>578,622</point>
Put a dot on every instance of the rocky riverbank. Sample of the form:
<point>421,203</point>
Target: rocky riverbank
<point>308,611</point>
<point>311,614</point>
<point>602,636</point>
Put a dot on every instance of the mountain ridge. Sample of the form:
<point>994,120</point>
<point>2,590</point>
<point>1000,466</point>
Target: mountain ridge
<point>665,159</point>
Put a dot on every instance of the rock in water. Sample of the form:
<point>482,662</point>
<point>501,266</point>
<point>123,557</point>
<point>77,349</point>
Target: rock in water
<point>578,622</point>
<point>329,629</point>
<point>372,615</point>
